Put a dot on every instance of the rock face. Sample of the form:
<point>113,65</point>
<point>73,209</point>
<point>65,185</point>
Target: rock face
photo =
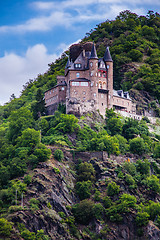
<point>54,192</point>
<point>53,186</point>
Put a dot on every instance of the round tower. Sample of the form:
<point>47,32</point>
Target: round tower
<point>93,73</point>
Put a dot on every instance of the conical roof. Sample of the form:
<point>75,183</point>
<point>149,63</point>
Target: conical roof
<point>93,52</point>
<point>107,56</point>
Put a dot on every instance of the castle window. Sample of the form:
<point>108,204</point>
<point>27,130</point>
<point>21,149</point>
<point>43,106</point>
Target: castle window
<point>96,74</point>
<point>91,74</point>
<point>92,83</point>
<point>53,90</point>
<point>75,83</point>
<point>102,96</point>
<point>91,64</point>
<point>104,74</point>
<point>62,88</point>
<point>102,104</point>
<point>78,65</point>
<point>94,94</point>
<point>99,74</point>
<point>85,84</point>
<point>84,92</point>
<point>77,74</point>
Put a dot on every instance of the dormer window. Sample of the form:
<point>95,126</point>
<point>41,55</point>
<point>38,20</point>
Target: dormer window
<point>77,65</point>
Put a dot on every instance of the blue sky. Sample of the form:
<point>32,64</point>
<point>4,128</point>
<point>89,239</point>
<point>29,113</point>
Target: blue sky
<point>35,33</point>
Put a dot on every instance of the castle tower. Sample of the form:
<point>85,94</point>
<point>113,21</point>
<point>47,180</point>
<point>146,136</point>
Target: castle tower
<point>93,73</point>
<point>109,67</point>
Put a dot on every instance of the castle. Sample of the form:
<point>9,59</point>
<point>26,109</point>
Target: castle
<point>88,84</point>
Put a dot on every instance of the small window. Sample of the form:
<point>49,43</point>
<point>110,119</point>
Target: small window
<point>75,83</point>
<point>104,74</point>
<point>102,104</point>
<point>92,83</point>
<point>94,94</point>
<point>53,90</point>
<point>91,64</point>
<point>78,65</point>
<point>99,74</point>
<point>91,74</point>
<point>84,92</point>
<point>62,88</point>
<point>85,84</point>
<point>77,74</point>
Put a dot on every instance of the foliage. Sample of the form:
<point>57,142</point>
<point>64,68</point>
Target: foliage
<point>85,172</point>
<point>142,219</point>
<point>138,146</point>
<point>112,189</point>
<point>83,211</point>
<point>83,189</point>
<point>5,227</point>
<point>58,155</point>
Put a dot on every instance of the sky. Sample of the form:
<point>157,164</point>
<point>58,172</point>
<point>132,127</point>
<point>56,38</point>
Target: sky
<point>35,33</point>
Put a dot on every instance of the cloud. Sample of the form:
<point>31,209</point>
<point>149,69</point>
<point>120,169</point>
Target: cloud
<point>16,70</point>
<point>71,12</point>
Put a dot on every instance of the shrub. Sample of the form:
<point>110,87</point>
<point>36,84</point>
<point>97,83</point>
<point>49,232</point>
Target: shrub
<point>143,166</point>
<point>112,189</point>
<point>83,189</point>
<point>14,209</point>
<point>98,210</point>
<point>138,146</point>
<point>130,180</point>
<point>107,202</point>
<point>142,219</point>
<point>58,155</point>
<point>153,183</point>
<point>5,227</point>
<point>27,179</point>
<point>83,211</point>
<point>156,152</point>
<point>86,172</point>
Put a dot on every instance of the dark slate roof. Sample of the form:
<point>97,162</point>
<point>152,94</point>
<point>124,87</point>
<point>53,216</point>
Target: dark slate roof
<point>107,56</point>
<point>100,60</point>
<point>80,80</point>
<point>68,63</point>
<point>93,53</point>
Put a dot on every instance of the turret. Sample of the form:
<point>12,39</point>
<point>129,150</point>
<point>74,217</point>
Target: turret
<point>93,72</point>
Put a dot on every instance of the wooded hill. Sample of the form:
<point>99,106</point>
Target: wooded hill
<point>78,188</point>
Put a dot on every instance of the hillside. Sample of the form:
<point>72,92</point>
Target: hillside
<point>63,177</point>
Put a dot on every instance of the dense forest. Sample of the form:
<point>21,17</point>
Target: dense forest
<point>104,194</point>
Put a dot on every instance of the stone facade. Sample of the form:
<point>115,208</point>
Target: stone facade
<point>87,84</point>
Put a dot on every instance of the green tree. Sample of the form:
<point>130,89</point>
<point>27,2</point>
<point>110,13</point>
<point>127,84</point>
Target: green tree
<point>58,155</point>
<point>138,146</point>
<point>114,125</point>
<point>83,189</point>
<point>85,172</point>
<point>5,227</point>
<point>83,211</point>
<point>112,189</point>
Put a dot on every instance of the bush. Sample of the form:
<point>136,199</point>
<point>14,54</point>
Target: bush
<point>86,172</point>
<point>156,152</point>
<point>58,155</point>
<point>5,227</point>
<point>138,146</point>
<point>98,210</point>
<point>107,202</point>
<point>142,219</point>
<point>83,211</point>
<point>14,209</point>
<point>112,189</point>
<point>83,189</point>
<point>153,183</point>
<point>143,166</point>
<point>27,179</point>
